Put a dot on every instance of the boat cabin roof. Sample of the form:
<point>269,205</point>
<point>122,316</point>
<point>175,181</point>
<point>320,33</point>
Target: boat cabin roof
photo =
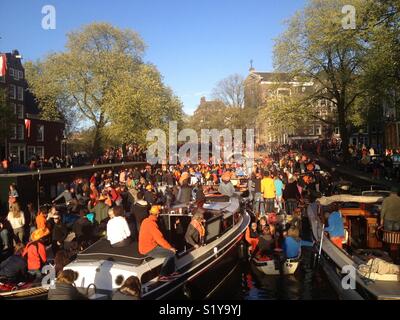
<point>325,201</point>
<point>102,250</point>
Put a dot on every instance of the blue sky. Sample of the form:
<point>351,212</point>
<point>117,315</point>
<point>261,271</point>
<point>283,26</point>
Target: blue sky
<point>194,43</point>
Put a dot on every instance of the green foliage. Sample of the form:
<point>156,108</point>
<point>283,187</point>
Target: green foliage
<point>101,80</point>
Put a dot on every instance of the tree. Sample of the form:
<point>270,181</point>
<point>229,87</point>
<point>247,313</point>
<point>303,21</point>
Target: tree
<point>230,91</point>
<point>209,115</point>
<point>99,58</point>
<point>316,47</point>
<point>141,103</point>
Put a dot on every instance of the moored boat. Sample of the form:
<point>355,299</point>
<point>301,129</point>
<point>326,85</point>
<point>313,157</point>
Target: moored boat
<point>361,250</point>
<point>201,270</point>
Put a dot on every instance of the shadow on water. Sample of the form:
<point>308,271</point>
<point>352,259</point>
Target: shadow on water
<point>308,283</point>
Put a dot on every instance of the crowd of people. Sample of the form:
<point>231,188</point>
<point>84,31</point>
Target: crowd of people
<point>125,206</point>
<point>125,153</point>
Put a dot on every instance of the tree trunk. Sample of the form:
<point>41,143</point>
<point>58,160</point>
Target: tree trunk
<point>344,135</point>
<point>96,146</point>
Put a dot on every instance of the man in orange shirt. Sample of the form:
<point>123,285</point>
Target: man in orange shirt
<point>153,244</point>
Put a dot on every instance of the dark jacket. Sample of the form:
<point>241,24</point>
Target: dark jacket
<point>184,194</point>
<point>291,191</point>
<point>13,268</point>
<point>82,228</point>
<point>59,233</point>
<point>64,291</point>
<point>140,212</point>
<point>192,236</point>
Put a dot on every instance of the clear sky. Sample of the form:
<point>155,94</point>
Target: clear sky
<point>194,43</point>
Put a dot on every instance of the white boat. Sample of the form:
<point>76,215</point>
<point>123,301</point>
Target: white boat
<point>338,262</point>
<point>201,271</point>
<point>274,267</point>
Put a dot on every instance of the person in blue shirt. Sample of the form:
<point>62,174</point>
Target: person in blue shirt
<point>335,228</point>
<point>279,191</point>
<point>291,246</point>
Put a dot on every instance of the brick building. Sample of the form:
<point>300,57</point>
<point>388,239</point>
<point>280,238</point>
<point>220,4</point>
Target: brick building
<point>265,88</point>
<point>29,135</point>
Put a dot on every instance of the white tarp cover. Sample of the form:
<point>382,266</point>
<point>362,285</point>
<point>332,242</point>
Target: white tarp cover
<point>348,198</point>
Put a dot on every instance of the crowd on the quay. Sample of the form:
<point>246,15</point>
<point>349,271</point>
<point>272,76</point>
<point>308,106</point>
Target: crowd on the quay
<point>126,153</point>
<point>378,162</point>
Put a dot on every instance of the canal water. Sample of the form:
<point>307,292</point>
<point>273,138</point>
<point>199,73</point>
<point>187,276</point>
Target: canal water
<point>308,283</point>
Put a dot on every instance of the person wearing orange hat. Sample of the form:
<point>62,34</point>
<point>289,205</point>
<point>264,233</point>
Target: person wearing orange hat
<point>153,244</point>
<point>226,187</point>
<point>35,252</point>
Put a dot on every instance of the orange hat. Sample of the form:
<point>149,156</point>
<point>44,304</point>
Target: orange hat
<point>149,187</point>
<point>39,234</point>
<point>226,176</point>
<point>102,197</point>
<point>155,210</point>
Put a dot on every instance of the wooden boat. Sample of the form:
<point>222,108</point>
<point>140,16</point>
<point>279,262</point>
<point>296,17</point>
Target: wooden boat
<point>361,222</point>
<point>201,271</point>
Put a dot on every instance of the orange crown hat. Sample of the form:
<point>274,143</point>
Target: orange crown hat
<point>155,210</point>
<point>226,176</point>
<point>39,234</point>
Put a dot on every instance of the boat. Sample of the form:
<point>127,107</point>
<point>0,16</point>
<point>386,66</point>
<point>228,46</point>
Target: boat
<point>361,249</point>
<point>101,268</point>
<point>274,267</point>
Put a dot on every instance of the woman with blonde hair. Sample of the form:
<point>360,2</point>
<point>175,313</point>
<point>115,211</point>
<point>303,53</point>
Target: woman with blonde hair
<point>17,220</point>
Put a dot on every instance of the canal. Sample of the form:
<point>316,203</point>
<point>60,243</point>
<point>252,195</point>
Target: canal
<point>308,283</point>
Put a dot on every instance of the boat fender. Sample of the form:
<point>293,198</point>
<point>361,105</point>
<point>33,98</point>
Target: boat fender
<point>242,251</point>
<point>186,291</point>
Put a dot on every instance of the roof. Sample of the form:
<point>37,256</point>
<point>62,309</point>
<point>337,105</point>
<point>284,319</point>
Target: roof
<point>102,250</point>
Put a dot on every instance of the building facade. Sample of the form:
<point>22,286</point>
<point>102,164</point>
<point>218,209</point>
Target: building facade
<point>262,89</point>
<point>29,135</point>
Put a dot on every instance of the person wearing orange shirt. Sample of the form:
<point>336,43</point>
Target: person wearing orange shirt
<point>153,244</point>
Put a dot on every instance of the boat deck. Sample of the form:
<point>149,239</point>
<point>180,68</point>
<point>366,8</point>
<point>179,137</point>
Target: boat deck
<point>102,250</point>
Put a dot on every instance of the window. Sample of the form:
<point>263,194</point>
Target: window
<point>20,111</point>
<point>16,74</point>
<point>14,108</point>
<point>40,133</point>
<point>13,91</point>
<point>13,132</point>
<point>20,132</point>
<point>311,130</point>
<point>11,72</point>
<point>21,75</point>
<point>337,131</point>
<point>31,152</point>
<point>40,151</point>
<point>20,94</point>
<point>318,130</point>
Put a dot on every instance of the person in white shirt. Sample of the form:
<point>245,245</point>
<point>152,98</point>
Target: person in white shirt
<point>17,220</point>
<point>118,232</point>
